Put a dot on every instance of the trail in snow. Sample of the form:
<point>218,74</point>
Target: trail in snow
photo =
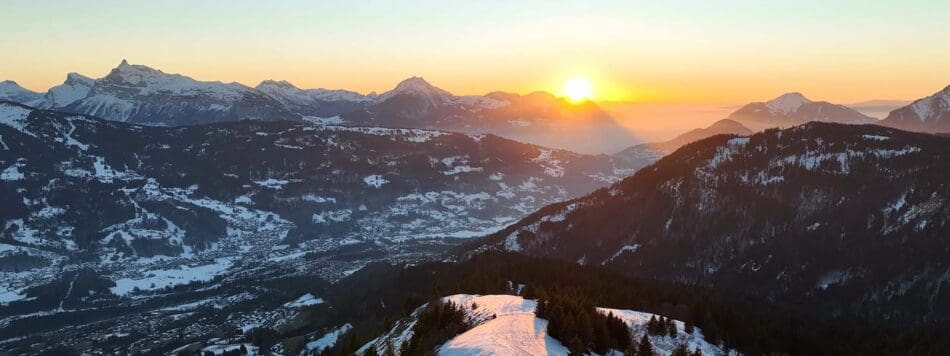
<point>68,292</point>
<point>70,141</point>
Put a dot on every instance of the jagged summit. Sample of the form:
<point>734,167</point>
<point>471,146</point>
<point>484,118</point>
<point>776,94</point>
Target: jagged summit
<point>76,77</point>
<point>75,87</point>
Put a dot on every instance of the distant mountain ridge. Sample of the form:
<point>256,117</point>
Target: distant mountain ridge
<point>793,109</point>
<point>143,95</point>
<point>539,118</point>
<point>646,153</point>
<point>315,102</point>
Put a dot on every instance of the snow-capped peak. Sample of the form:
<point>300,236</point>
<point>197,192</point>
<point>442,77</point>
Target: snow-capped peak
<point>73,77</point>
<point>787,103</point>
<point>930,106</point>
<point>151,81</point>
<point>76,87</point>
<point>10,90</point>
<point>418,86</point>
<point>9,86</point>
<point>136,74</point>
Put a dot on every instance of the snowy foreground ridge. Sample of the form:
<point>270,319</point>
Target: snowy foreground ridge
<point>516,330</point>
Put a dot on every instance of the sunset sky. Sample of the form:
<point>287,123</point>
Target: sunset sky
<point>679,51</point>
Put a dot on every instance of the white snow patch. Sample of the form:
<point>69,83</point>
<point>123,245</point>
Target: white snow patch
<point>787,103</point>
<point>375,180</point>
<point>876,137</point>
<point>625,248</point>
<point>304,300</point>
<point>156,279</point>
<point>272,183</point>
<point>12,173</point>
<point>7,296</point>
<point>333,120</point>
<point>329,339</point>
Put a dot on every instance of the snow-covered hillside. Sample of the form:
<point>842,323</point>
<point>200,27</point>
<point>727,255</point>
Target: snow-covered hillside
<point>10,90</point>
<point>929,114</point>
<point>507,325</point>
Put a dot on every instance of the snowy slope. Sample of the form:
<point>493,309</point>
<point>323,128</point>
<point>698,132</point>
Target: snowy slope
<point>787,103</point>
<point>10,90</point>
<point>507,325</point>
<point>76,87</point>
<point>664,345</point>
<point>930,114</point>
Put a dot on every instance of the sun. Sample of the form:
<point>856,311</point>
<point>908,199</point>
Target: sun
<point>578,89</point>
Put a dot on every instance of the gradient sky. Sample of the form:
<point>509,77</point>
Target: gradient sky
<point>679,51</point>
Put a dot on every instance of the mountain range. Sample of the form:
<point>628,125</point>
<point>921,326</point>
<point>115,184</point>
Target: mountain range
<point>142,95</point>
<point>794,108</point>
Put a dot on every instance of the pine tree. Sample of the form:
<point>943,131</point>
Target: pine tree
<point>575,346</point>
<point>671,328</point>
<point>652,325</point>
<point>688,328</point>
<point>680,350</point>
<point>697,352</point>
<point>601,338</point>
<point>646,348</point>
<point>631,350</point>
